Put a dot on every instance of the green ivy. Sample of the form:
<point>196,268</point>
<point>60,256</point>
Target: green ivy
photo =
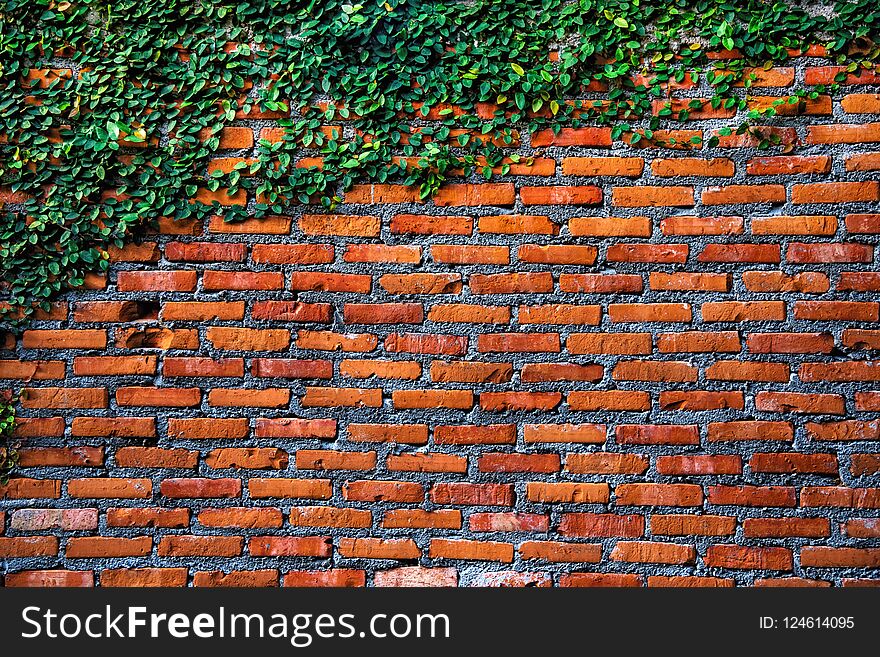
<point>8,449</point>
<point>120,144</point>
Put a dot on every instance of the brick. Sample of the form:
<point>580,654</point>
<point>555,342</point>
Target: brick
<point>606,462</point>
<point>781,496</point>
<point>653,197</point>
<point>575,493</point>
<point>653,552</point>
<point>602,525</point>
<point>750,430</point>
<point>50,578</point>
<point>700,464</point>
<point>838,192</point>
<point>839,496</point>
<point>148,517</point>
<point>497,194</point>
<point>509,522</point>
<point>603,166</point>
<point>471,550</point>
<point>795,225</point>
<point>867,311</point>
<point>163,397</point>
<point>701,225</point>
<point>198,367</point>
<point>341,397</point>
<point>665,253</point>
<point>469,314</point>
<point>31,520</point>
<point>649,312</point>
<point>600,580</point>
<point>110,487</point>
<point>853,133</point>
<point>416,434</point>
<point>846,430</point>
<point>335,577</point>
<point>432,225</point>
<point>692,166</point>
<point>518,342</point>
<point>601,283</point>
<point>332,460</point>
<point>609,400</point>
<point>243,339</point>
<point>271,225</point>
<point>801,253</point>
<point>759,253</point>
<point>200,546</point>
<point>771,281</point>
<point>467,494</point>
<point>114,311</point>
<point>200,488</point>
<point>64,339</point>
<point>593,136</point>
<point>540,372</point>
<point>423,343</point>
<point>739,194</point>
<point>157,281</point>
<point>61,457</point>
<point>491,434</point>
<point>205,252</point>
<point>699,342</point>
<point>236,578</point>
<point>687,581</point>
<point>748,558</point>
<point>156,457</point>
<point>317,489</point>
<point>784,527</point>
<point>203,311</point>
<point>669,524</point>
<point>748,371</point>
<point>658,495</point>
<point>839,557</point>
<point>515,283</point>
<point>557,254</point>
<point>610,343</point>
<point>339,224</point>
<point>555,551</point>
<point>410,576</point>
<point>790,402</point>
<point>104,547</point>
<point>781,165</point>
<point>688,281</point>
<point>501,462</point>
<point>558,195</point>
<point>157,338</point>
<point>292,254</point>
<point>420,519</point>
<point>462,255</point>
<point>200,428</point>
<point>790,343</point>
<point>657,434</point>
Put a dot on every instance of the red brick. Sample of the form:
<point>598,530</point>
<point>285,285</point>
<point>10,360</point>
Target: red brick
<point>748,558</point>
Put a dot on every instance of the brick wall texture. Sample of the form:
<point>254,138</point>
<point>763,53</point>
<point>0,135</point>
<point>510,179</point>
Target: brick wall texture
<point>618,365</point>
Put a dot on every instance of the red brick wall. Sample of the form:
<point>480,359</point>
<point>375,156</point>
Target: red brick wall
<point>618,365</point>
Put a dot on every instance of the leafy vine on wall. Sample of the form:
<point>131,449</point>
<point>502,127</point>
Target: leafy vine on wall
<point>112,110</point>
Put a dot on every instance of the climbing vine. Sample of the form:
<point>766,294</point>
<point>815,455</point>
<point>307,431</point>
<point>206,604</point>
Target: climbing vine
<point>8,449</point>
<point>113,110</point>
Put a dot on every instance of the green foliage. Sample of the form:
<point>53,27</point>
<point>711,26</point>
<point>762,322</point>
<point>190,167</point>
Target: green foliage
<point>119,145</point>
<point>8,450</point>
